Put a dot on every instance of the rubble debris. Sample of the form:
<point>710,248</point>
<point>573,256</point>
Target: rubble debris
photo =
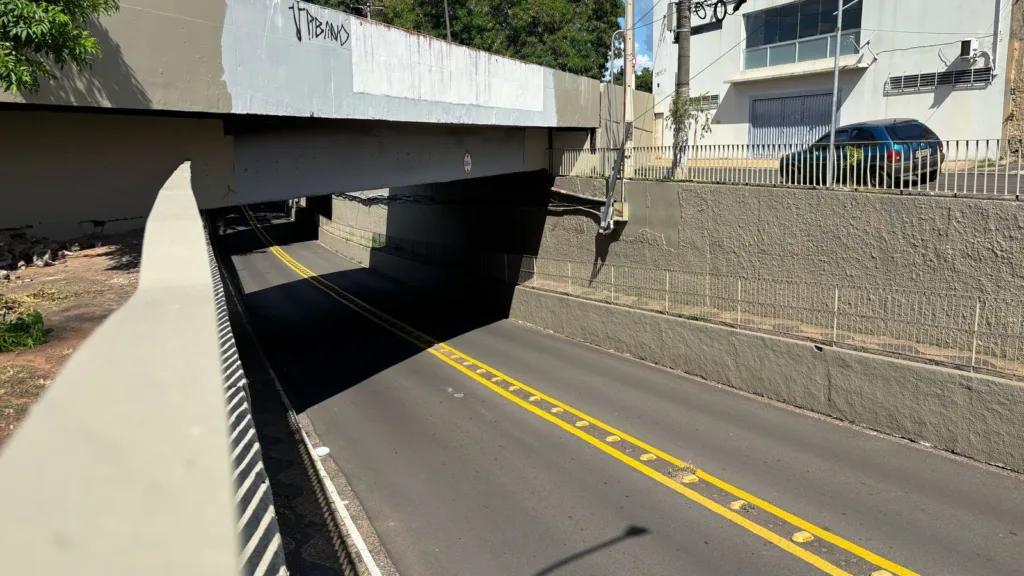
<point>17,251</point>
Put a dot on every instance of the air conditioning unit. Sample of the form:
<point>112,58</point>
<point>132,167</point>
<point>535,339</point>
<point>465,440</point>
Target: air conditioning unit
<point>969,48</point>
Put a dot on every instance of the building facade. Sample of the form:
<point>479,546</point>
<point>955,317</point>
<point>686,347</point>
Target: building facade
<point>765,74</point>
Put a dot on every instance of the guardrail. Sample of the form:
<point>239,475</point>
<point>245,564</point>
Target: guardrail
<point>971,332</point>
<point>944,167</point>
<point>140,457</point>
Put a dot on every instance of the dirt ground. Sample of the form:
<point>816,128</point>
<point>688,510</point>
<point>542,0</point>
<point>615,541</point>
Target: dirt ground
<point>74,296</point>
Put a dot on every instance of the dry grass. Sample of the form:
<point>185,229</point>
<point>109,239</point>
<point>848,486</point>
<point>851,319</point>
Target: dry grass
<point>19,387</point>
<point>75,296</point>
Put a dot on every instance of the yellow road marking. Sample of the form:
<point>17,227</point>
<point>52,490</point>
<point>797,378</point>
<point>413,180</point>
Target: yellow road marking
<point>768,535</point>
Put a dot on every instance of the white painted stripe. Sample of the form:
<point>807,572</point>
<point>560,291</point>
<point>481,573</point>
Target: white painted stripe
<point>357,538</point>
<point>239,393</point>
<point>269,555</point>
<point>245,462</point>
<point>231,357</point>
<point>230,377</point>
<point>256,536</point>
<point>252,505</point>
<point>241,426</point>
<point>242,443</point>
<point>248,481</point>
<point>232,416</point>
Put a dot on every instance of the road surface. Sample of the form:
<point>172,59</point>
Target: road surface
<point>459,475</point>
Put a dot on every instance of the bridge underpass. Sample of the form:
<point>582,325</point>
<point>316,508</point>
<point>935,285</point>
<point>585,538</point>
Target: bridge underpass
<point>472,443</point>
<point>450,436</point>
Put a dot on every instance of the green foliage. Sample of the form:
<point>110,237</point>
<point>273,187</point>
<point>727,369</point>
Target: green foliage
<point>36,35</point>
<point>569,35</point>
<point>687,115</point>
<point>644,80</point>
<point>23,332</point>
<point>854,155</point>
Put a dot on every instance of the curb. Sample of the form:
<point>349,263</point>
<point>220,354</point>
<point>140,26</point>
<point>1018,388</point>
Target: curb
<point>353,554</point>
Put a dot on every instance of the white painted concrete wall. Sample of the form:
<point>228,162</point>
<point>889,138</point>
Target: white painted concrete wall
<point>290,58</point>
<point>906,36</point>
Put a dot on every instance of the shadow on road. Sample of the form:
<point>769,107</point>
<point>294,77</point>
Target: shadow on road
<point>321,348</point>
<point>629,532</point>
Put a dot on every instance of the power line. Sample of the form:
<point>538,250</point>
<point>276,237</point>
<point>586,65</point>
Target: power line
<point>704,69</point>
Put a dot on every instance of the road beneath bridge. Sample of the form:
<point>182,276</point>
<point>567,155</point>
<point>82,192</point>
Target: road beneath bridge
<point>470,457</point>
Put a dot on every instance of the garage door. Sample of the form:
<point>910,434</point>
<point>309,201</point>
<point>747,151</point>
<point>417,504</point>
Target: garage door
<point>790,120</point>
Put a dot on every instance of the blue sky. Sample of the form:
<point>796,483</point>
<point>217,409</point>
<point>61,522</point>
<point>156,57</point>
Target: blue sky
<point>644,30</point>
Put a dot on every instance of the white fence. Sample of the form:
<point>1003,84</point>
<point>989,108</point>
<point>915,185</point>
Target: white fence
<point>946,167</point>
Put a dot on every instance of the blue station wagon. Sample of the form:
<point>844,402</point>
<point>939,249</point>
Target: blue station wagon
<point>881,153</point>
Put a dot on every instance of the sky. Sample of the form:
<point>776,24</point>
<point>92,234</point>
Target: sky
<point>644,34</point>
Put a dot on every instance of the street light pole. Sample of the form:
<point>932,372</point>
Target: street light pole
<point>835,97</point>
<point>627,74</point>
<point>447,26</point>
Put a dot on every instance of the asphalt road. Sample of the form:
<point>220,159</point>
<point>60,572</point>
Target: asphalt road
<point>457,478</point>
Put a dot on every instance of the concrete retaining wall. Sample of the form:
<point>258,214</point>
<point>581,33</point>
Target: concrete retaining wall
<point>912,242</point>
<point>975,416</point>
<point>940,244</point>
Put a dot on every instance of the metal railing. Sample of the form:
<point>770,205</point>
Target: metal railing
<point>971,332</point>
<point>989,168</point>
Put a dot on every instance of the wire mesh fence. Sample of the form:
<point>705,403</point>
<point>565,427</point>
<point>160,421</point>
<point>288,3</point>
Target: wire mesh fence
<point>973,332</point>
<point>946,167</point>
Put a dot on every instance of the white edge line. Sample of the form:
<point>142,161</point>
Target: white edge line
<point>357,538</point>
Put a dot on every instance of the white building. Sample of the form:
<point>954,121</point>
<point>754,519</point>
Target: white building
<point>768,70</point>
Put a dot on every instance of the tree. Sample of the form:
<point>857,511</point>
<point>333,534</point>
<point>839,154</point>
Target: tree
<point>36,36</point>
<point>644,80</point>
<point>569,35</point>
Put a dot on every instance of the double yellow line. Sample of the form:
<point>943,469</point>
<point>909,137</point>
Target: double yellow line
<point>463,363</point>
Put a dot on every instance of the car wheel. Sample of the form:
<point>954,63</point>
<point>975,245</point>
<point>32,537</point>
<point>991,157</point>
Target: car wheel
<point>878,177</point>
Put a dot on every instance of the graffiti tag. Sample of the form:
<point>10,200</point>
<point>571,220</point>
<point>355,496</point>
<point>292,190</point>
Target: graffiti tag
<point>314,27</point>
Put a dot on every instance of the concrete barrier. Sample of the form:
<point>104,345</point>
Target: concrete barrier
<point>125,465</point>
<point>971,415</point>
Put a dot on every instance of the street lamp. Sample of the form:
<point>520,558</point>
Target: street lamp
<point>835,91</point>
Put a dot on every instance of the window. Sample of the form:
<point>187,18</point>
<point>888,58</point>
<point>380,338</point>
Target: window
<point>910,132</point>
<point>842,135</point>
<point>862,135</point>
<point>799,32</point>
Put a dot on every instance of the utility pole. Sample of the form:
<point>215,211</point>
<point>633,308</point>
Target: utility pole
<point>369,7</point>
<point>835,96</point>
<point>627,75</point>
<point>683,59</point>
<point>447,26</point>
<point>628,82</point>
